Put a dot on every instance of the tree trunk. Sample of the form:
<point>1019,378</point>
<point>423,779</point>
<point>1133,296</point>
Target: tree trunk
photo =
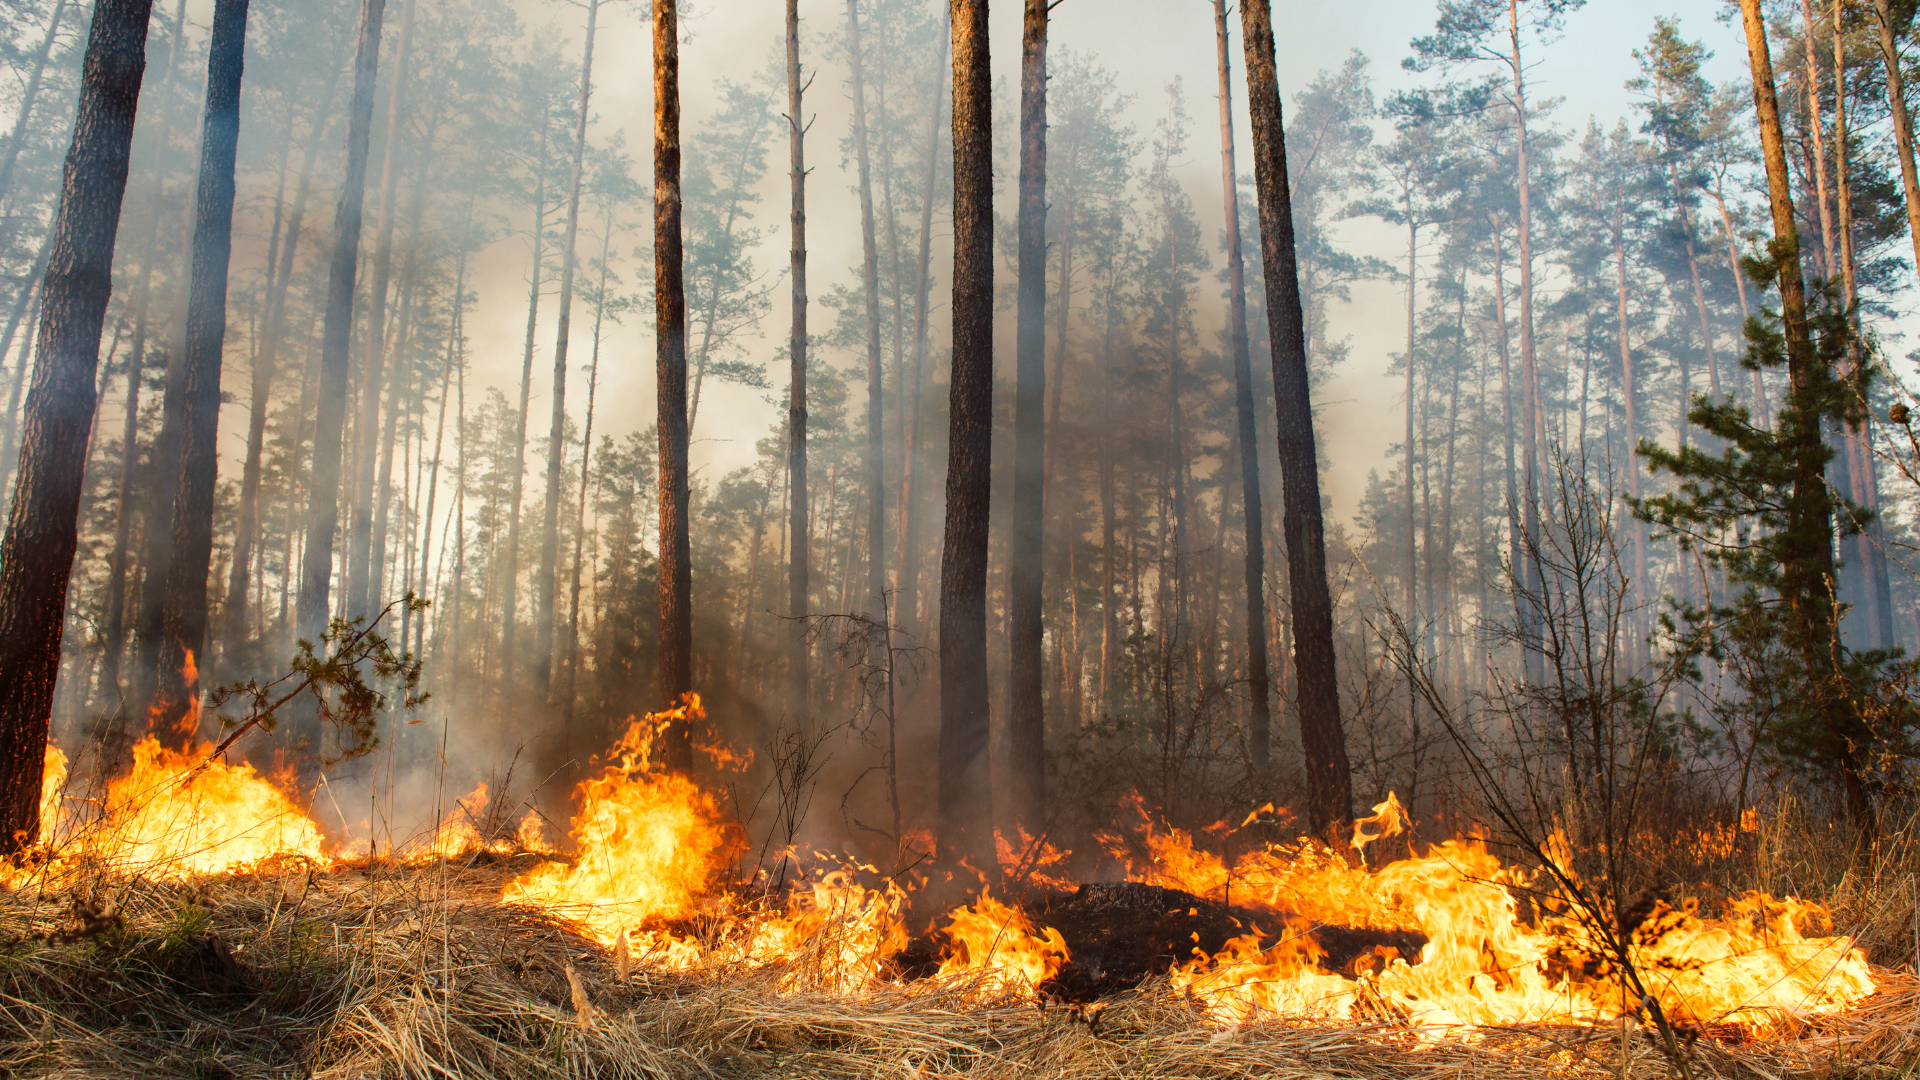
<point>1808,567</point>
<point>183,619</point>
<point>1026,667</point>
<point>1870,546</point>
<point>798,526</point>
<point>1902,119</point>
<point>27,97</point>
<point>586,474</point>
<point>908,582</point>
<point>361,586</point>
<point>1529,365</point>
<point>875,601</point>
<point>670,367</point>
<point>965,827</point>
<point>1630,397</point>
<point>556,434</point>
<point>265,363</point>
<point>1329,778</point>
<point>323,499</point>
<point>510,573</point>
<point>36,556</point>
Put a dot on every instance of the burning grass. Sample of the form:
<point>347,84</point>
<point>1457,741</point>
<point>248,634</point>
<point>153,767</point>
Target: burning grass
<point>351,971</point>
<point>191,924</point>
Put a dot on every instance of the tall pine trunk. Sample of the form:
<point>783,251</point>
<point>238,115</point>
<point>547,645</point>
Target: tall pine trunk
<point>1531,419</point>
<point>875,600</point>
<point>556,433</point>
<point>1902,118</point>
<point>1026,667</point>
<point>323,494</point>
<point>362,583</point>
<point>183,619</point>
<point>798,526</point>
<point>266,362</point>
<point>1808,564</point>
<point>908,580</point>
<point>670,374</point>
<point>965,825</point>
<point>36,556</point>
<point>510,573</point>
<point>1322,739</point>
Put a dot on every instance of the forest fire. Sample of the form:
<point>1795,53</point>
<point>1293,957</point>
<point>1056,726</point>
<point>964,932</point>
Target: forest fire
<point>652,851</point>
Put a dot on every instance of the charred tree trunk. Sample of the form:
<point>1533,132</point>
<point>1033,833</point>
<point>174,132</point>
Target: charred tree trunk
<point>1329,778</point>
<point>1026,667</point>
<point>670,368</point>
<point>798,526</point>
<point>183,618</point>
<point>965,827</point>
<point>36,556</point>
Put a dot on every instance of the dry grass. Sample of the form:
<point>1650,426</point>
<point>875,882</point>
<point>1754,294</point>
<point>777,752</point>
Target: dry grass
<point>420,972</point>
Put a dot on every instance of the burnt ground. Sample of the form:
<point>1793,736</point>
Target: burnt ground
<point>1118,935</point>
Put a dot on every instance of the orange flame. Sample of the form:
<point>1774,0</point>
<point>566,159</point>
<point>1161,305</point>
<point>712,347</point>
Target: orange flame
<point>998,945</point>
<point>650,843</point>
<point>163,820</point>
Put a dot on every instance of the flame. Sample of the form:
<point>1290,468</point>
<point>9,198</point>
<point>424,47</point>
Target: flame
<point>998,945</point>
<point>53,782</point>
<point>1389,816</point>
<point>1484,964</point>
<point>167,821</point>
<point>1034,862</point>
<point>649,843</point>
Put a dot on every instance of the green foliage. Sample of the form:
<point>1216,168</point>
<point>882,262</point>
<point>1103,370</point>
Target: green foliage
<point>333,680</point>
<point>1805,699</point>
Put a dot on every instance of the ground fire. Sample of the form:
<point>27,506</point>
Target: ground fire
<point>650,871</point>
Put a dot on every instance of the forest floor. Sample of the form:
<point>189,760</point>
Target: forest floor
<point>420,971</point>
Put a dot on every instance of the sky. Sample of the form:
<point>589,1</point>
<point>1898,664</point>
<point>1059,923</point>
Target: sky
<point>1147,43</point>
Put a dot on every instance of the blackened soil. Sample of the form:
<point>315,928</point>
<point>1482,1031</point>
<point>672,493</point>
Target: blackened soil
<point>1118,935</point>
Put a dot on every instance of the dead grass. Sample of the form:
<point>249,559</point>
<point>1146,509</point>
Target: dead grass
<point>420,972</point>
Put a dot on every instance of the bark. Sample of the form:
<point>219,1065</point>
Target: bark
<point>36,556</point>
<point>965,824</point>
<point>798,526</point>
<point>183,618</point>
<point>1329,778</point>
<point>323,497</point>
<point>1810,567</point>
<point>1902,119</point>
<point>28,96</point>
<point>670,373</point>
<point>362,585</point>
<point>1026,668</point>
